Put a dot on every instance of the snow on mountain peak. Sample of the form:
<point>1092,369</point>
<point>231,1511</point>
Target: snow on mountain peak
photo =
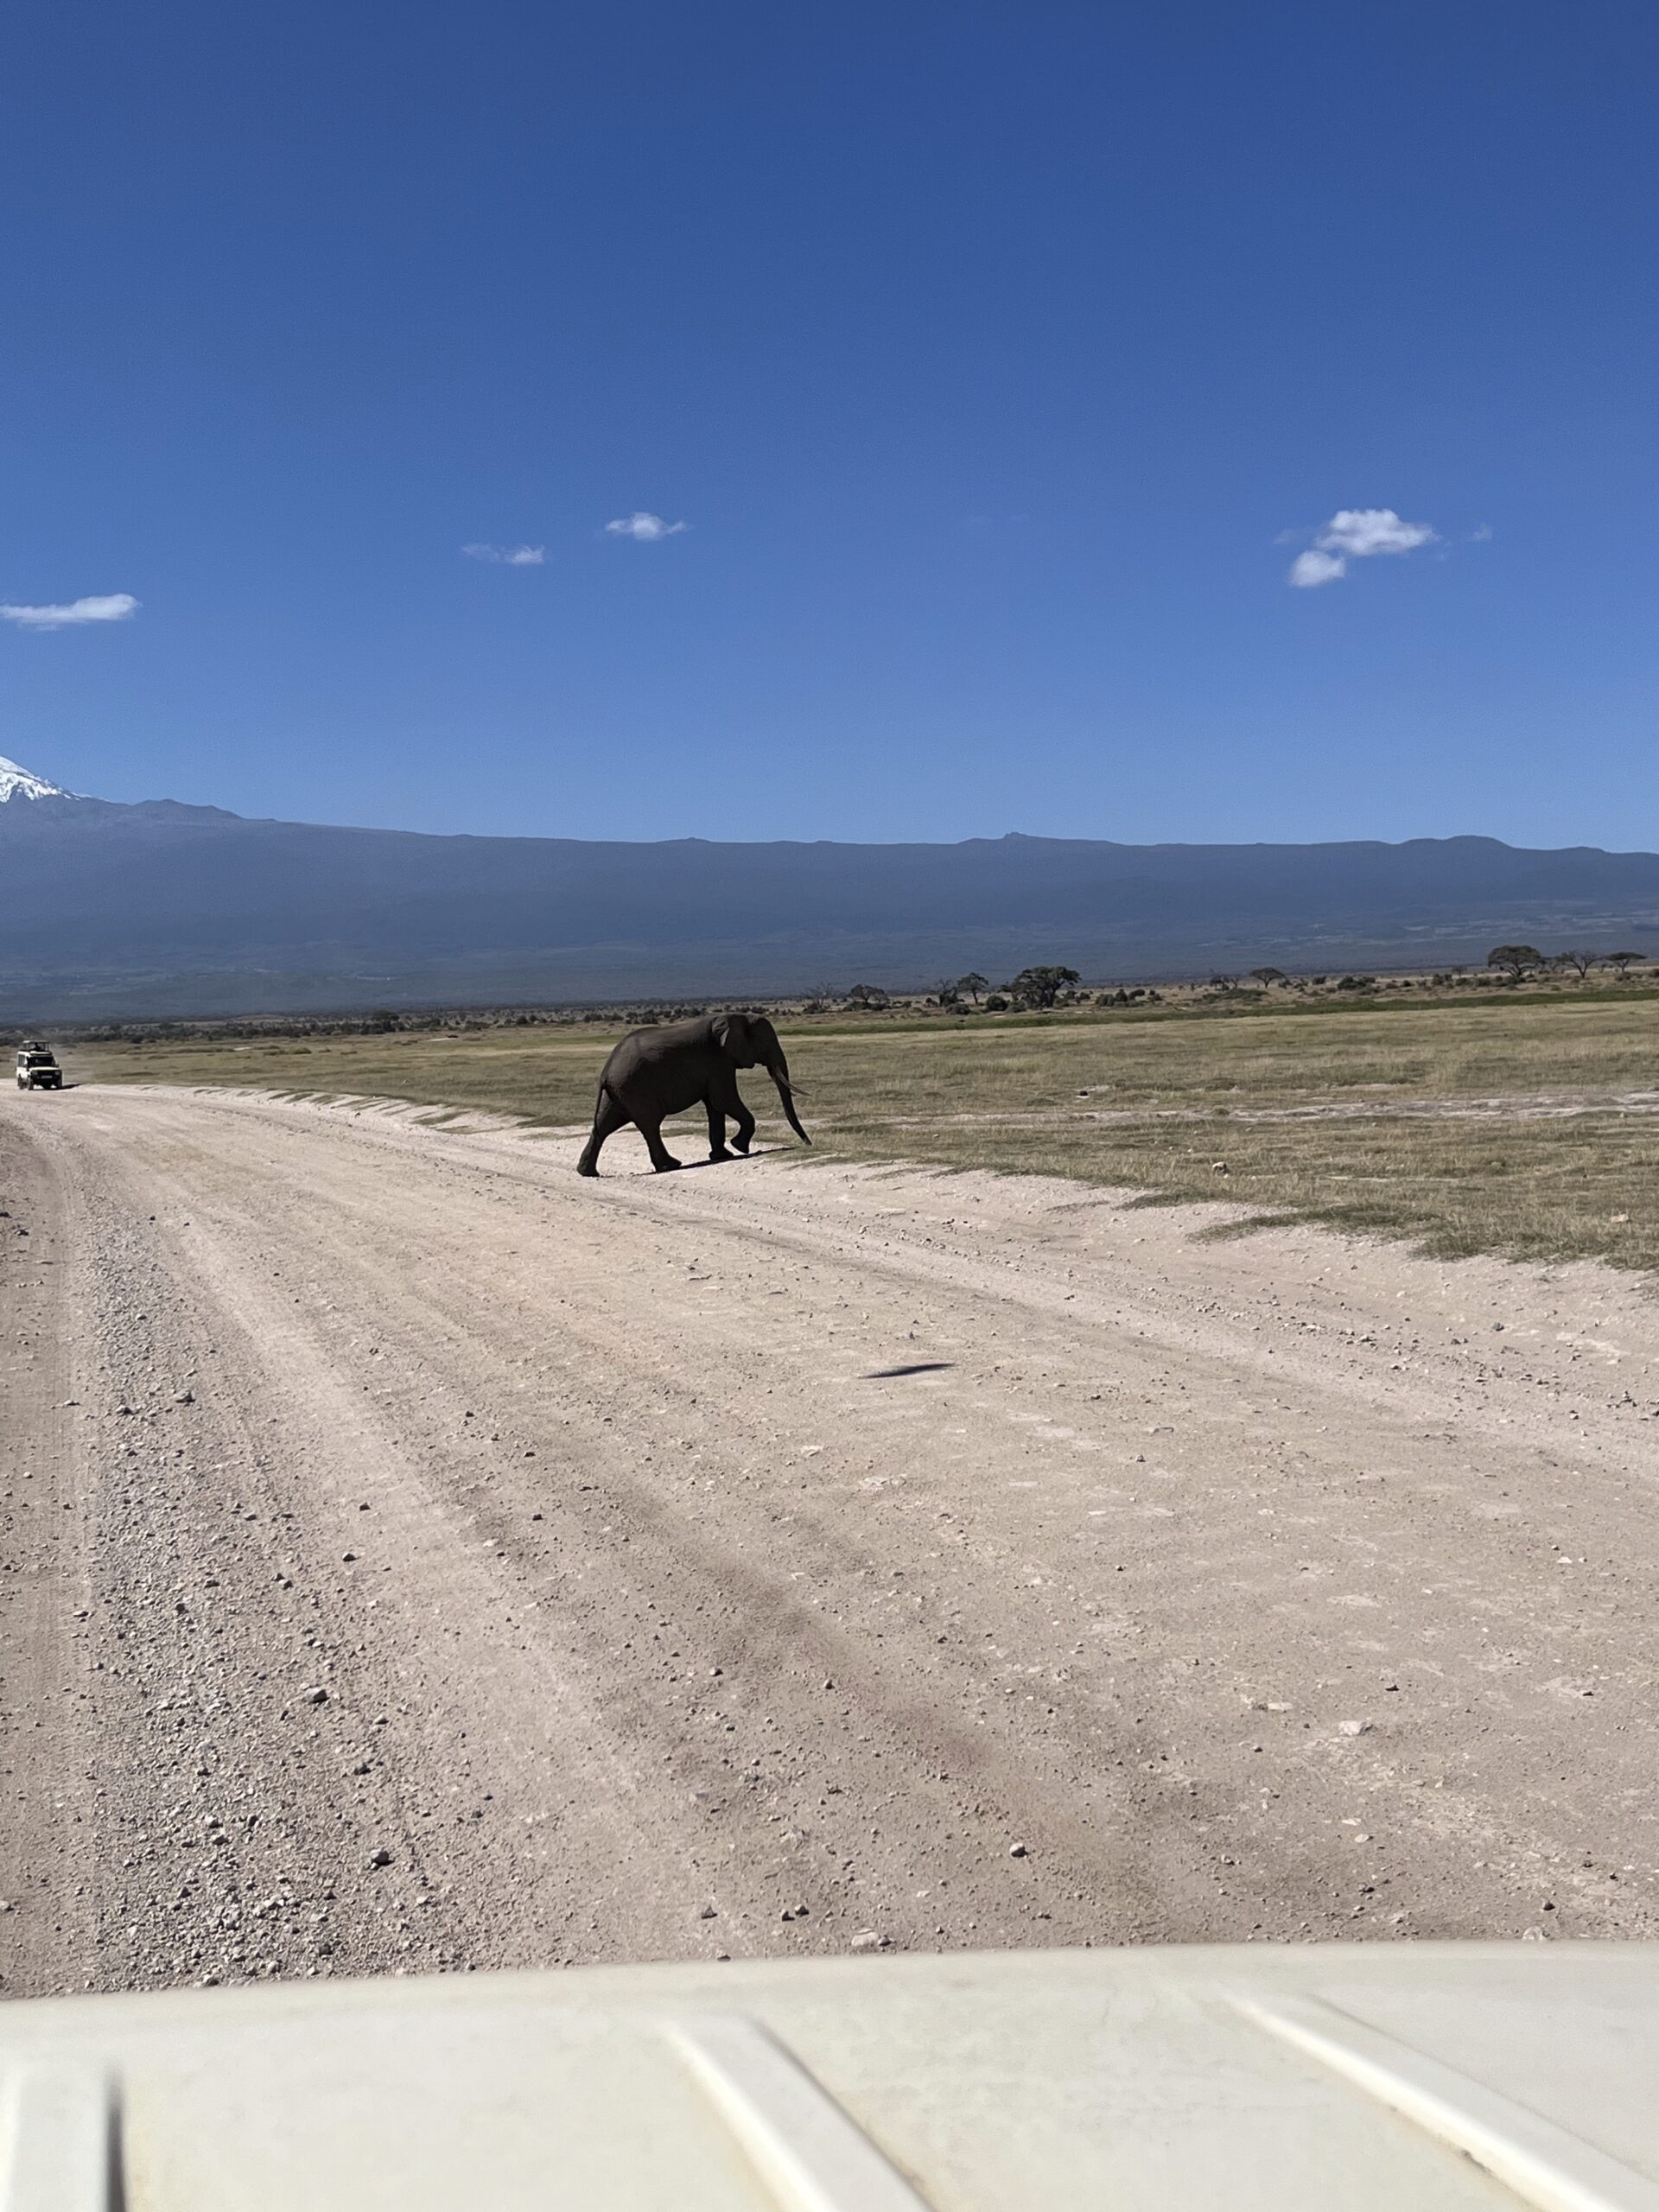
<point>17,783</point>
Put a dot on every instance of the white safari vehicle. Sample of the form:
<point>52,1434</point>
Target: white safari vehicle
<point>37,1068</point>
<point>1369,2077</point>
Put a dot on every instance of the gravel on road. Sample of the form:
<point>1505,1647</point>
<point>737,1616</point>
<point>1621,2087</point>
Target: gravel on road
<point>418,1558</point>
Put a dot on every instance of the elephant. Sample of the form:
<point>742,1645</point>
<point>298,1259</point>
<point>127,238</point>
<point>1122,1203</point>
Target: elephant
<point>656,1072</point>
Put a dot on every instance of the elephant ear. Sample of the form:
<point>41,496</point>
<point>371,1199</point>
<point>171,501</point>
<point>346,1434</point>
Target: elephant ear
<point>731,1033</point>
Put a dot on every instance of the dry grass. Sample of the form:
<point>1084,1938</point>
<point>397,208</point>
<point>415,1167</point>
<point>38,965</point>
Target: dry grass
<point>1556,1164</point>
<point>545,1074</point>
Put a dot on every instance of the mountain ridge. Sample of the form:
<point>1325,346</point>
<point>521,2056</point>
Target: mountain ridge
<point>160,906</point>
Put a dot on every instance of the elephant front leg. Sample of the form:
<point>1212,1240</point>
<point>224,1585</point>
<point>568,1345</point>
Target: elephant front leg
<point>725,1103</point>
<point>717,1132</point>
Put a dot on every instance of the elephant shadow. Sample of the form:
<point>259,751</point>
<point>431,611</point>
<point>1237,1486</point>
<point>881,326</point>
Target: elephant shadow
<point>731,1158</point>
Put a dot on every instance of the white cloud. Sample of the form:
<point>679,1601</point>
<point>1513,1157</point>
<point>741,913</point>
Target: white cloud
<point>1309,569</point>
<point>643,529</point>
<point>1361,531</point>
<point>1353,534</point>
<point>1481,534</point>
<point>511,556</point>
<point>113,606</point>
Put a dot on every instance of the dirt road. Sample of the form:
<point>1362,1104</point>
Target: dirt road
<point>418,1557</point>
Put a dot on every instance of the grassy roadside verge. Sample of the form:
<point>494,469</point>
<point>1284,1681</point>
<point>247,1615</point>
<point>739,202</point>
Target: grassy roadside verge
<point>1512,1127</point>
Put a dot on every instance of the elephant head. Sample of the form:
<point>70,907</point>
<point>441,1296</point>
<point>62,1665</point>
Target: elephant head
<point>749,1039</point>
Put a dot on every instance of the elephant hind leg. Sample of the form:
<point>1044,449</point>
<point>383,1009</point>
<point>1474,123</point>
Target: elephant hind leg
<point>651,1129</point>
<point>608,1118</point>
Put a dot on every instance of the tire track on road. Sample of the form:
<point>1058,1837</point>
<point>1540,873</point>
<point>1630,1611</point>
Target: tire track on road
<point>1181,1591</point>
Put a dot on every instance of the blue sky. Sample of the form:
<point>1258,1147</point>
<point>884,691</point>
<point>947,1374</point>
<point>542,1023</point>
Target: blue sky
<point>999,360</point>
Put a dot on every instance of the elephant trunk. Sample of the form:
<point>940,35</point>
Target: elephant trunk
<point>777,1068</point>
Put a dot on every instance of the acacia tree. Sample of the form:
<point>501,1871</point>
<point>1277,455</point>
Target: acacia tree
<point>1517,961</point>
<point>870,998</point>
<point>1622,961</point>
<point>973,983</point>
<point>1579,963</point>
<point>1042,986</point>
<point>1269,976</point>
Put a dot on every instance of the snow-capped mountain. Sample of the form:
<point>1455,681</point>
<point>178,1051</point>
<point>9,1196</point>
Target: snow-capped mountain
<point>18,783</point>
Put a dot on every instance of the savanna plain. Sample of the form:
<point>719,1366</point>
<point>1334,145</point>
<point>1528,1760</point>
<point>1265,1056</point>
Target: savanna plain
<point>1141,1476</point>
